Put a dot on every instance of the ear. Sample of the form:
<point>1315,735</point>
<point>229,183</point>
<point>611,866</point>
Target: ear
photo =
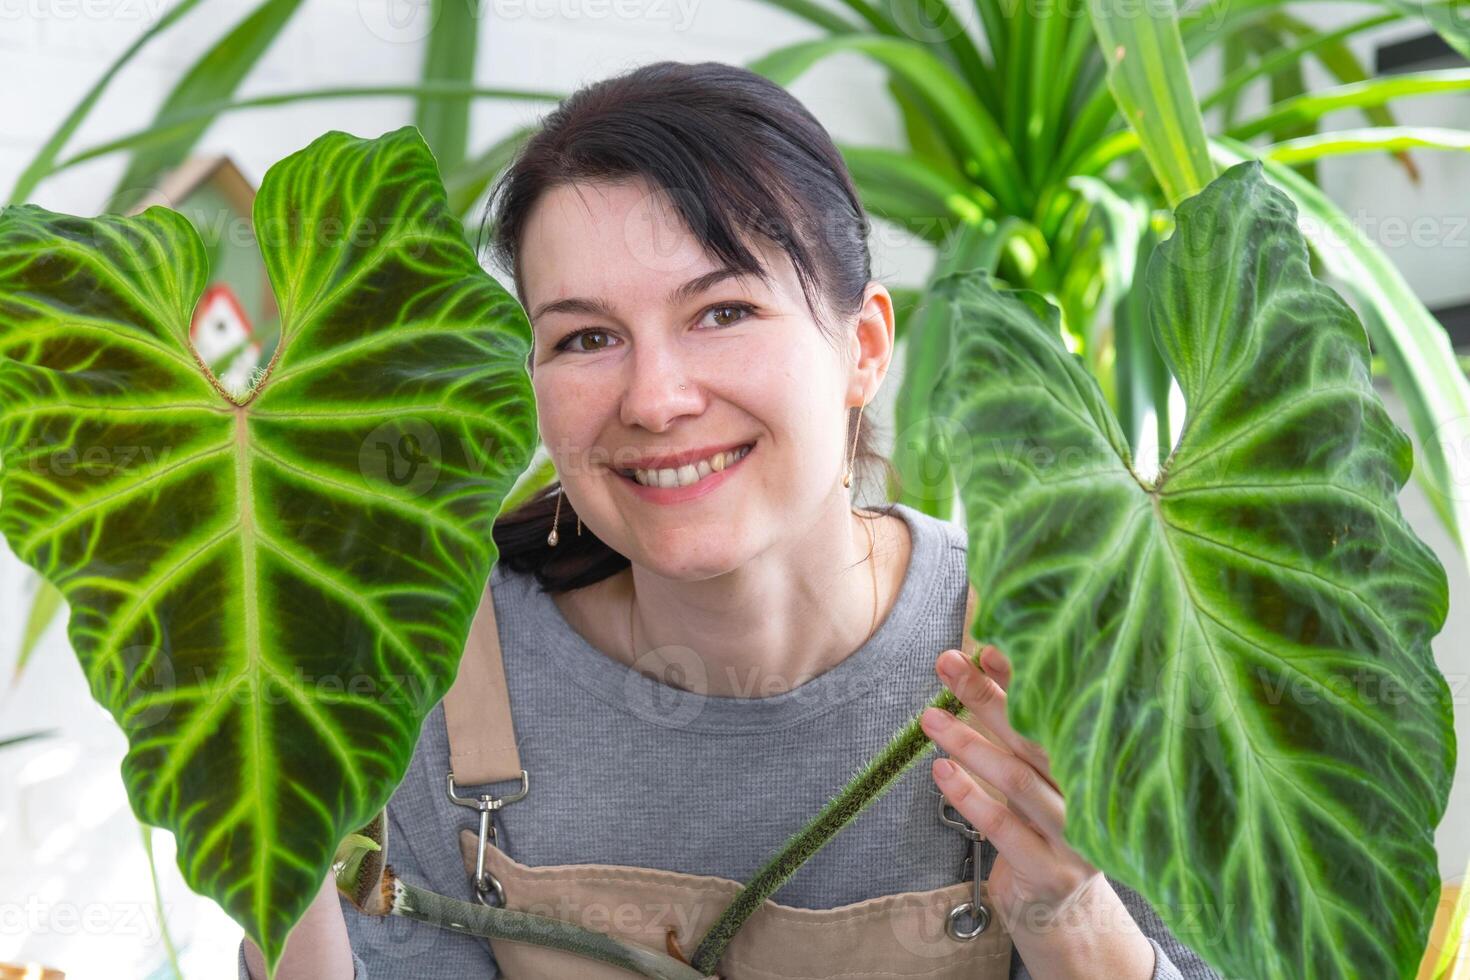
<point>871,345</point>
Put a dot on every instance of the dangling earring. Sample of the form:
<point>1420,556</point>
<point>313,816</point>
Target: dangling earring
<point>552,538</point>
<point>847,477</point>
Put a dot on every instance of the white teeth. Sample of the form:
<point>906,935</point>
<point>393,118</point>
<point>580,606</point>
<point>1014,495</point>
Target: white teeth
<point>689,473</point>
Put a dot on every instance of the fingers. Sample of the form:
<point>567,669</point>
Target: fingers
<point>1027,791</point>
<point>1021,845</point>
<point>986,699</point>
<point>997,666</point>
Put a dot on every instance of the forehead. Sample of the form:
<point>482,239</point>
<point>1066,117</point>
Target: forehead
<point>624,242</point>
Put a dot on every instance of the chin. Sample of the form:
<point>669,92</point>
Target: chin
<point>689,558</point>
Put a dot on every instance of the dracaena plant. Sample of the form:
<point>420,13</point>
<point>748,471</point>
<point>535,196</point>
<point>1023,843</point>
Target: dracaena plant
<point>1228,662</point>
<point>1048,141</point>
<point>269,589</point>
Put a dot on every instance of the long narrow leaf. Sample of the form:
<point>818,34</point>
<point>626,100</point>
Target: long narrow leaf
<point>468,181</point>
<point>926,142</point>
<point>213,77</point>
<point>164,932</point>
<point>449,56</point>
<point>816,14</point>
<point>935,25</point>
<point>1453,961</point>
<point>1308,43</point>
<point>46,603</point>
<point>922,440</point>
<point>10,741</point>
<point>162,132</point>
<point>1149,77</point>
<point>909,193</point>
<point>1378,91</point>
<point>1287,82</point>
<point>970,130</point>
<point>1380,139</point>
<point>1450,19</point>
<point>1049,46</point>
<point>40,166</point>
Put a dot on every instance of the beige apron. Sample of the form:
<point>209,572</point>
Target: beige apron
<point>929,934</point>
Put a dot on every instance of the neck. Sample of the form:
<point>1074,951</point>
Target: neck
<point>786,616</point>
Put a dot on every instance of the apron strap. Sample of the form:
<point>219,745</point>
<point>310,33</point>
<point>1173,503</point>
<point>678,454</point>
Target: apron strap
<point>482,738</point>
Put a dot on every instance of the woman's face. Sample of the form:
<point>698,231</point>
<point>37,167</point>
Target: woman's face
<point>642,349</point>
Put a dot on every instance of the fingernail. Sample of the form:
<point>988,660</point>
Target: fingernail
<point>947,666</point>
<point>944,768</point>
<point>935,719</point>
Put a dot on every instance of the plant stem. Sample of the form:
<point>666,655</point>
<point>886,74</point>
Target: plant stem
<point>412,902</point>
<point>864,789</point>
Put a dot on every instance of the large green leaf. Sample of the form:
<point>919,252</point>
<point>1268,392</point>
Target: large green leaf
<point>269,591</point>
<point>1414,346</point>
<point>1229,666</point>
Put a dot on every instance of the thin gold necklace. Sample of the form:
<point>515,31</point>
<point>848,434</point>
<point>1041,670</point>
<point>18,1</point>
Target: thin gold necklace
<point>872,569</point>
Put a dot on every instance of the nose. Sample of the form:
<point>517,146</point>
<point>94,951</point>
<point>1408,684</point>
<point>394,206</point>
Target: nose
<point>660,388</point>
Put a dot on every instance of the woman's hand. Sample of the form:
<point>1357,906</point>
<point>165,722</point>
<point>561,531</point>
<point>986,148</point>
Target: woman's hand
<point>1060,909</point>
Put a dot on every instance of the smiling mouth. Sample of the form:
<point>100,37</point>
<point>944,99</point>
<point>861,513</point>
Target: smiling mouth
<point>690,473</point>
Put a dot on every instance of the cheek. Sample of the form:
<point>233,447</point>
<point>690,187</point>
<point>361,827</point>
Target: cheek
<point>569,418</point>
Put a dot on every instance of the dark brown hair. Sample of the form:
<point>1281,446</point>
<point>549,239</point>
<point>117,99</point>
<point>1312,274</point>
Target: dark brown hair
<point>736,155</point>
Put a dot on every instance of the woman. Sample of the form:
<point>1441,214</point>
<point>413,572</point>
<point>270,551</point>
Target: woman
<point>723,639</point>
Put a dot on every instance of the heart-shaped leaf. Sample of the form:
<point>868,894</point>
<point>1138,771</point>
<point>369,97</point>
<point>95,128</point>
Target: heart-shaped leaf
<point>1229,666</point>
<point>269,591</point>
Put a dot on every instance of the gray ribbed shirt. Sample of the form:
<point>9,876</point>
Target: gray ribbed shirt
<point>628,770</point>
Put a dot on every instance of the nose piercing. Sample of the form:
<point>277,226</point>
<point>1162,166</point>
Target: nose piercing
<point>681,386</point>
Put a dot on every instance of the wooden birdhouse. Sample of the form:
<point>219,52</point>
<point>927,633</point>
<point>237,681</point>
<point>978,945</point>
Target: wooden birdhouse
<point>236,325</point>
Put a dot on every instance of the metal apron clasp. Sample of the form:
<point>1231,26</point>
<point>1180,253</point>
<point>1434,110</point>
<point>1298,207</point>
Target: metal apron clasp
<point>486,804</point>
<point>974,907</point>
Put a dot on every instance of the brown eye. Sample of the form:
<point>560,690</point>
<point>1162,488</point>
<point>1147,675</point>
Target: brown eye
<point>740,308</point>
<point>571,338</point>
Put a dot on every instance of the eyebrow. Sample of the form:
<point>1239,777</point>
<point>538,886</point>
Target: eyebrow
<point>597,307</point>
